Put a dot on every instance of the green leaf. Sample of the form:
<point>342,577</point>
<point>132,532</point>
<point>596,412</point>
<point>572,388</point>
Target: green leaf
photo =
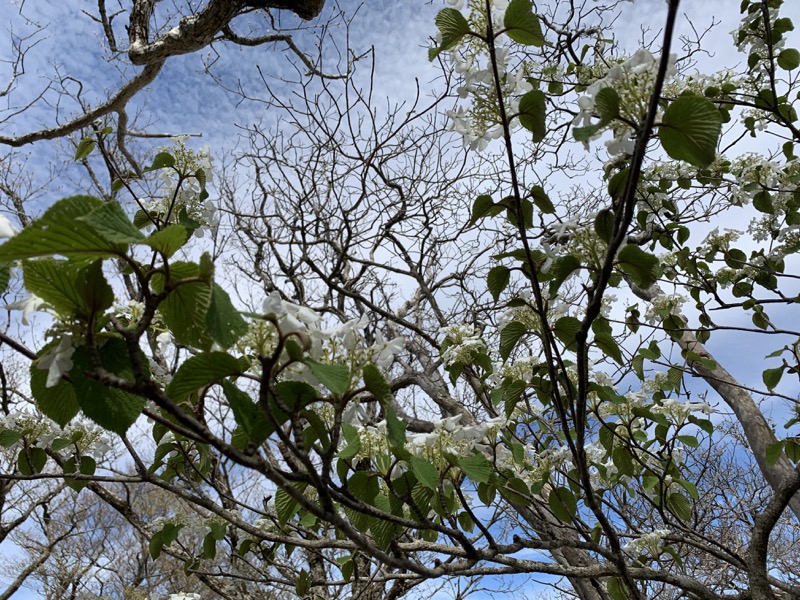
<point>453,26</point>
<point>184,309</point>
<point>425,472</point>
<point>59,231</point>
<point>690,488</point>
<point>563,504</point>
<point>681,506</point>
<point>85,148</point>
<point>542,200</point>
<point>109,407</point>
<point>497,280</point>
<point>71,290</point>
<point>224,323</point>
<point>772,377</point>
<point>565,329</point>
<point>335,377</point>
<point>58,402</point>
<point>31,461</point>
<point>774,452</point>
<point>608,345</point>
<point>561,269</point>
<point>617,589</point>
<point>789,59</point>
<point>533,113</point>
<point>5,276</point>
<point>161,160</point>
<point>509,336</point>
<point>169,240</point>
<point>604,224</point>
<point>522,25</point>
<point>9,437</point>
<point>353,442</point>
<point>483,206</point>
<point>395,430</point>
<point>690,130</point>
<point>477,467</point>
<point>110,221</point>
<point>285,506</point>
<point>200,371</point>
<point>606,104</point>
<point>643,267</point>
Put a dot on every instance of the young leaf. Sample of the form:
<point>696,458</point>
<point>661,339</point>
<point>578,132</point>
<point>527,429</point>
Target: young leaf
<point>690,130</point>
<point>772,377</point>
<point>609,346</point>
<point>565,330</point>
<point>85,148</point>
<point>542,200</point>
<point>169,240</point>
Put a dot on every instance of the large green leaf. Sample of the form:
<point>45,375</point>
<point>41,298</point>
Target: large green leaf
<point>109,407</point>
<point>426,473</point>
<point>169,240</point>
<point>510,336</point>
<point>533,113</point>
<point>248,414</point>
<point>110,221</point>
<point>70,289</point>
<point>563,504</point>
<point>522,25</point>
<point>185,308</point>
<point>690,130</point>
<point>60,232</point>
<point>58,402</point>
<point>452,27</point>
<point>200,371</point>
<point>477,467</point>
<point>643,267</point>
<point>565,330</point>
<point>335,377</point>
<point>225,324</point>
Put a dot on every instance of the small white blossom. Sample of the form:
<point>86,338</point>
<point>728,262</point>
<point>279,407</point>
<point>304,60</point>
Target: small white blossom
<point>58,361</point>
<point>27,306</point>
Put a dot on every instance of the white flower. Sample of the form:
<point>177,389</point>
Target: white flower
<point>27,306</point>
<point>184,596</point>
<point>6,228</point>
<point>58,361</point>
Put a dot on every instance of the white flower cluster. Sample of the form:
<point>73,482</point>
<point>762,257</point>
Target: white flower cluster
<point>633,80</point>
<point>651,543</point>
<point>189,197</point>
<point>463,344</point>
<point>481,123</point>
<point>344,342</point>
<point>58,361</point>
<point>750,37</point>
<point>86,438</point>
<point>664,305</point>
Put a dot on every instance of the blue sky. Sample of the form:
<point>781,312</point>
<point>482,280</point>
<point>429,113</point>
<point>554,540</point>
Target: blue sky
<point>183,100</point>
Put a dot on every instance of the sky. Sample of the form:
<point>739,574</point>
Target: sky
<point>185,100</point>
